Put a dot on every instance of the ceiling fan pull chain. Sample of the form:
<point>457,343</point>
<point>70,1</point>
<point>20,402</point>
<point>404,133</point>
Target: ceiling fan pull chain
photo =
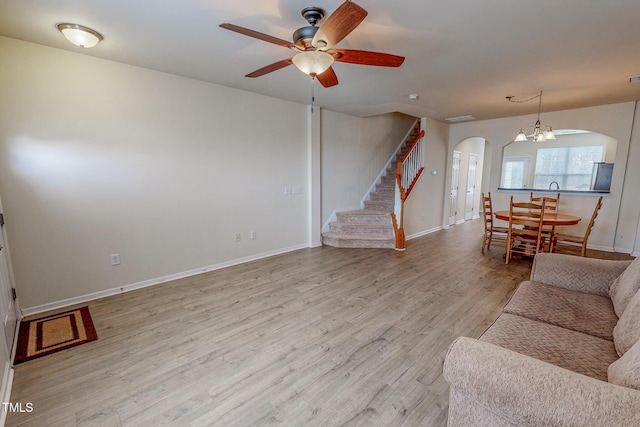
<point>313,92</point>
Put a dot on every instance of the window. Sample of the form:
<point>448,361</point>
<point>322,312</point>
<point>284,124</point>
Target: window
<point>515,171</point>
<point>570,167</point>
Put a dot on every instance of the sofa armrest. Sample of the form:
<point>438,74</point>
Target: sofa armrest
<point>587,275</point>
<point>526,391</point>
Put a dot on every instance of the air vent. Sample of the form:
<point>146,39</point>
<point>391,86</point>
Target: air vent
<point>460,119</point>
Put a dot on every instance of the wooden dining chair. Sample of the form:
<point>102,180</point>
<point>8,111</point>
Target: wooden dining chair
<point>524,233</point>
<point>489,227</point>
<point>570,243</point>
<point>551,205</point>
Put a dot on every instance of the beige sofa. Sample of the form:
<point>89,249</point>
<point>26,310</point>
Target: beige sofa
<point>564,352</point>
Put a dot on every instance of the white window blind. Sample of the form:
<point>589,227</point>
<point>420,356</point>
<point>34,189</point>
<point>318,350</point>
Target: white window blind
<point>570,167</point>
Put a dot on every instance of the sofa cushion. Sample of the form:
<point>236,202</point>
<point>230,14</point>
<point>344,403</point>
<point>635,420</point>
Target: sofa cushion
<point>578,311</point>
<point>626,370</point>
<point>627,330</point>
<point>578,352</point>
<point>625,287</point>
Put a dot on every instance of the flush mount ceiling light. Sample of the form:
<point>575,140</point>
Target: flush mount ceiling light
<point>537,132</point>
<point>80,35</point>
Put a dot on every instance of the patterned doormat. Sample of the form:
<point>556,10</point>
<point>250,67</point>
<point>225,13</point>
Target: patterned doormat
<point>39,337</point>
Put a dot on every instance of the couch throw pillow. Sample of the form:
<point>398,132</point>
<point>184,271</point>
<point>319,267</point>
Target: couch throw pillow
<point>626,370</point>
<point>627,331</point>
<point>625,287</point>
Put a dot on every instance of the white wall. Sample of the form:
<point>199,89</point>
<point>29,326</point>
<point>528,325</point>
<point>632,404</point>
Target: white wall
<point>618,212</point>
<point>98,158</point>
<point>354,151</point>
<point>425,205</point>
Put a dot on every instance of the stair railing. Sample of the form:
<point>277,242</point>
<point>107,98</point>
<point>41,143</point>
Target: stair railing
<point>410,167</point>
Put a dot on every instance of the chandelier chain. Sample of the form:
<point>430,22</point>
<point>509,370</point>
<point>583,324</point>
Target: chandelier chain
<point>510,99</point>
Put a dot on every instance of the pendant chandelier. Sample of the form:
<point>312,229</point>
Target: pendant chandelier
<point>537,132</point>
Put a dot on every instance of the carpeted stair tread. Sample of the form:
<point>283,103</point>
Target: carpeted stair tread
<point>369,236</point>
<point>379,206</point>
<point>364,215</point>
<point>381,196</point>
<point>350,229</point>
<point>358,241</point>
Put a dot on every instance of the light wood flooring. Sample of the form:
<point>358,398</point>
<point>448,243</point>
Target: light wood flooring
<point>316,337</point>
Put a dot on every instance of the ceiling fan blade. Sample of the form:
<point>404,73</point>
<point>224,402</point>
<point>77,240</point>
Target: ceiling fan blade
<point>338,25</point>
<point>258,35</point>
<point>328,78</point>
<point>270,68</point>
<point>364,57</point>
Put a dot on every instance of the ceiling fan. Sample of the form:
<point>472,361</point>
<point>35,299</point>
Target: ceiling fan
<point>314,44</point>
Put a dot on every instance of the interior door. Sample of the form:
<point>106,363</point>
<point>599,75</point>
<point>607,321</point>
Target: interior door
<point>471,187</point>
<point>455,183</point>
<point>7,301</point>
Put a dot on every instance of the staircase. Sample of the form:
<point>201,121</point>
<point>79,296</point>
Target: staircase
<point>371,227</point>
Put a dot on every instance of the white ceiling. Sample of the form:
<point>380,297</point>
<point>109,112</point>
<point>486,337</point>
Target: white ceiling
<point>462,56</point>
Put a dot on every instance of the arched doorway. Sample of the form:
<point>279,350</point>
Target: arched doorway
<point>467,179</point>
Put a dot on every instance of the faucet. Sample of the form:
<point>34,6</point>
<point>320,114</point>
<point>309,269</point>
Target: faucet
<point>556,183</point>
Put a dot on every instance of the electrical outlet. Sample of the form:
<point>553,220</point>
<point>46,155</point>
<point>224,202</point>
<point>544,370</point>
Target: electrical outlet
<point>238,238</point>
<point>115,259</point>
<point>252,234</point>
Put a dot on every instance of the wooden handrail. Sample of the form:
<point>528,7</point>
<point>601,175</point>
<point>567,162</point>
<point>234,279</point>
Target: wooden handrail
<point>413,145</point>
<point>406,178</point>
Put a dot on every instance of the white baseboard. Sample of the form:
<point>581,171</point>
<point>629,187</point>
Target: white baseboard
<point>600,248</point>
<point>146,283</point>
<point>621,250</point>
<point>5,390</point>
<point>423,233</point>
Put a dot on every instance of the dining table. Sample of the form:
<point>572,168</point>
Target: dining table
<point>550,218</point>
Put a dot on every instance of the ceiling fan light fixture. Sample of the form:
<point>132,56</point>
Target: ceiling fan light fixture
<point>80,35</point>
<point>312,62</point>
